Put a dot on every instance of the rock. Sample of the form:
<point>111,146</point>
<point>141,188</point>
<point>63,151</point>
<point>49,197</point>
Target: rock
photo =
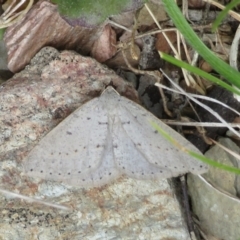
<point>215,195</point>
<point>44,26</point>
<point>32,103</point>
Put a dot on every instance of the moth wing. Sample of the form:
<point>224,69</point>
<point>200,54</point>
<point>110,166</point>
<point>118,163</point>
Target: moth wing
<point>104,174</point>
<point>130,160</point>
<point>151,145</point>
<point>73,148</point>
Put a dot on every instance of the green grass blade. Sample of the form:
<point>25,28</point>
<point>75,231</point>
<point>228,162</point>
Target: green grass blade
<point>223,14</point>
<point>199,72</point>
<point>232,75</point>
<point>194,154</point>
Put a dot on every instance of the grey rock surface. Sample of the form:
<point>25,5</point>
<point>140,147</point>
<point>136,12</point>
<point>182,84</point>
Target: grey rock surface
<point>32,103</point>
<point>221,179</point>
<point>215,195</point>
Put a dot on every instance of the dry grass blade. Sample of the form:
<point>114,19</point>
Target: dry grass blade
<point>236,155</point>
<point>17,195</point>
<point>219,5</point>
<point>190,80</point>
<point>200,124</point>
<point>200,104</point>
<point>15,12</point>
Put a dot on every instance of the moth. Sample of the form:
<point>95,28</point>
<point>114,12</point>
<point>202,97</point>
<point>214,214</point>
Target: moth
<point>108,137</point>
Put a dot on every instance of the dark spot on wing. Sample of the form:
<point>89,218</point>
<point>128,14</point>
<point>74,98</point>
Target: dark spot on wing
<point>69,133</point>
<point>103,123</point>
